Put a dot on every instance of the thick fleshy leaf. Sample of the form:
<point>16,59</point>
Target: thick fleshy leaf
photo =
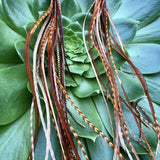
<point>41,145</point>
<point>1,12</point>
<point>7,50</point>
<point>2,65</point>
<point>143,11</point>
<point>119,61</point>
<point>70,82</point>
<point>78,68</point>
<point>143,103</point>
<point>83,141</point>
<point>80,58</point>
<point>103,114</point>
<point>101,108</point>
<point>38,6</point>
<point>80,18</point>
<point>69,8</point>
<point>113,5</point>
<point>144,56</point>
<point>126,29</point>
<point>154,87</point>
<point>84,5</point>
<point>95,55</point>
<point>69,61</point>
<point>132,126</point>
<point>20,48</point>
<point>27,27</point>
<point>73,45</point>
<point>16,15</point>
<point>147,156</point>
<point>68,32</point>
<point>14,96</point>
<point>66,21</point>
<point>87,88</point>
<point>70,55</point>
<point>100,148</point>
<point>75,26</point>
<point>131,85</point>
<point>150,134</point>
<point>87,107</point>
<point>90,73</point>
<point>15,139</point>
<point>19,11</point>
<point>149,34</point>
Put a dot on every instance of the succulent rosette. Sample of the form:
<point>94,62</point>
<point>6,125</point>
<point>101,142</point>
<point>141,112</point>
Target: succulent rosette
<point>137,23</point>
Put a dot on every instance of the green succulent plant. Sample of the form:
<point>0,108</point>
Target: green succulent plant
<point>138,25</point>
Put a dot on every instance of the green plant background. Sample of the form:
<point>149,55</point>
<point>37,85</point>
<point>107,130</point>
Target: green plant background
<point>138,25</point>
